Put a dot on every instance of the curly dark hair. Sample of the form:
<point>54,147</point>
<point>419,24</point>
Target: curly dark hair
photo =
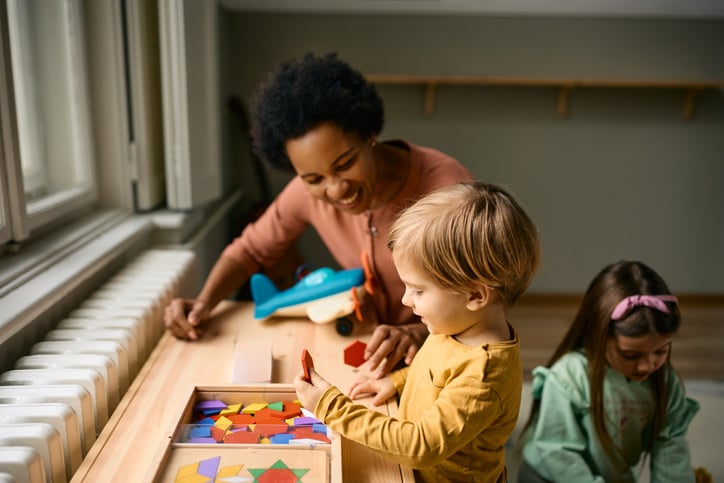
<point>301,94</point>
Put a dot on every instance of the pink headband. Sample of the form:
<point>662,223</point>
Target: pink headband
<point>625,306</point>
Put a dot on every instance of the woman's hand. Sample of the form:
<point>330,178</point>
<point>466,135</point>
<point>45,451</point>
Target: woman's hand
<point>184,317</point>
<point>307,393</point>
<point>382,389</point>
<point>390,344</point>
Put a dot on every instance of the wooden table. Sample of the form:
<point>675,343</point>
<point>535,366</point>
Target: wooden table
<point>132,444</point>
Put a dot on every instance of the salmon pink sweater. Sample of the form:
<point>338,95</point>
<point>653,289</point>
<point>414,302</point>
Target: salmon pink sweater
<point>347,236</point>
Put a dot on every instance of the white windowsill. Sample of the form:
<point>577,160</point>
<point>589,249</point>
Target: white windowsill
<point>45,273</point>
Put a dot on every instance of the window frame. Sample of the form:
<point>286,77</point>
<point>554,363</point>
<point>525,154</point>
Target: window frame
<point>22,218</point>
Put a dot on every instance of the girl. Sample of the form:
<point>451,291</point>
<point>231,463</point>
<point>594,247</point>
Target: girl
<point>465,254</point>
<point>609,394</point>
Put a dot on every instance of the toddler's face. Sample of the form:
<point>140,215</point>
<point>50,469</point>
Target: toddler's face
<point>442,311</point>
<point>637,357</point>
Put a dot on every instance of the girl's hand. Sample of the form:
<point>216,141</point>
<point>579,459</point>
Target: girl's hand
<point>307,393</point>
<point>381,389</point>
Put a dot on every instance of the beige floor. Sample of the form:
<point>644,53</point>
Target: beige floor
<point>698,348</point>
<point>698,355</point>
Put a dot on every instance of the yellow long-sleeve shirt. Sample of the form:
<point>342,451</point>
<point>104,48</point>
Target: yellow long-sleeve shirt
<point>458,406</point>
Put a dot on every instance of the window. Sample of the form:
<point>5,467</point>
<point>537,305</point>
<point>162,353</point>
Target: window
<point>47,152</point>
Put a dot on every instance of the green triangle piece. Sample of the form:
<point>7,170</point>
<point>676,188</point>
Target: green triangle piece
<point>277,406</point>
<point>279,465</point>
<point>257,472</point>
<point>299,473</point>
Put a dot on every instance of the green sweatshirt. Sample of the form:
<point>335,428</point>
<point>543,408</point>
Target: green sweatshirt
<point>562,445</point>
<point>458,406</point>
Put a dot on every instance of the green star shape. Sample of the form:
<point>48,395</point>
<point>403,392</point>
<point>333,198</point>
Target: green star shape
<point>278,465</point>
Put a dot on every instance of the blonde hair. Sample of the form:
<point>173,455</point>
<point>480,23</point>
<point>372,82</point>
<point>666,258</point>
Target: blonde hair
<point>469,234</point>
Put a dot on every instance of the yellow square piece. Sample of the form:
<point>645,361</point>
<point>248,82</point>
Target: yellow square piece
<point>233,409</point>
<point>254,407</point>
<point>223,423</point>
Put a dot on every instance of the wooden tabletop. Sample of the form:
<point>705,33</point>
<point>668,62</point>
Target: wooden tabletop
<point>133,442</point>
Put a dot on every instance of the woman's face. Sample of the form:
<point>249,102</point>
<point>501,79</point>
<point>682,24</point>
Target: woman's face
<point>637,357</point>
<point>336,166</point>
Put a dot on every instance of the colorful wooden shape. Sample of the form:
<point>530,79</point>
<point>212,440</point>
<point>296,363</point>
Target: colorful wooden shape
<point>200,431</point>
<point>271,429</point>
<point>210,404</point>
<point>307,364</point>
<point>217,433</point>
<point>278,473</point>
<point>283,438</point>
<point>241,418</point>
<point>233,409</point>
<point>242,437</point>
<point>253,408</point>
<point>201,441</point>
<point>276,406</point>
<point>354,353</point>
<point>305,421</point>
<point>288,410</point>
<point>223,423</point>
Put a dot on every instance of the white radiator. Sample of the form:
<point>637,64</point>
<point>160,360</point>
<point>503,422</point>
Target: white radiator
<point>56,401</point>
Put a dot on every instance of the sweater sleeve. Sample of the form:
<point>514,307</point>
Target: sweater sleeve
<point>399,378</point>
<point>557,444</point>
<point>460,412</point>
<point>670,456</point>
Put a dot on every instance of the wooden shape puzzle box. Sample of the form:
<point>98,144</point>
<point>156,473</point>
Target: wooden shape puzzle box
<point>197,448</point>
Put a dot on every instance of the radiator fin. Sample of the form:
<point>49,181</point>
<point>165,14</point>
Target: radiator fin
<point>56,401</point>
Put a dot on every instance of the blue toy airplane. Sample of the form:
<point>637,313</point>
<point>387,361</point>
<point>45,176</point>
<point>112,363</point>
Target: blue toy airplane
<point>324,295</point>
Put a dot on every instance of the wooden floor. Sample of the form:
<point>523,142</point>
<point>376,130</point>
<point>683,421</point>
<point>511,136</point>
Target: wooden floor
<point>698,348</point>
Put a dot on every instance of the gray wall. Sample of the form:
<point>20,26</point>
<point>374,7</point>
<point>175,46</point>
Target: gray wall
<point>625,176</point>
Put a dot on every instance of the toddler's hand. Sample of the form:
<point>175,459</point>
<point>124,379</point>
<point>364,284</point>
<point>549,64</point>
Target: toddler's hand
<point>382,389</point>
<point>307,393</point>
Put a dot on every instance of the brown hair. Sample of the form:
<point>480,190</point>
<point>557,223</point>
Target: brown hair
<point>592,328</point>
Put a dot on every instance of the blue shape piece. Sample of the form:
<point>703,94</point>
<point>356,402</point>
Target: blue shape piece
<point>210,411</point>
<point>209,467</point>
<point>318,284</point>
<point>201,441</point>
<point>203,431</point>
<point>282,438</point>
<point>206,421</point>
<point>319,428</point>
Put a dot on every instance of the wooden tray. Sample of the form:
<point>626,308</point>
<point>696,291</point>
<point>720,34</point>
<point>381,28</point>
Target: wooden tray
<point>307,463</point>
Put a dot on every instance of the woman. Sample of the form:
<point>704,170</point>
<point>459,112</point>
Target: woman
<point>320,119</point>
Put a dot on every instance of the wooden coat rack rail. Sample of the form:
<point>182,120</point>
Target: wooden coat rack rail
<point>564,86</point>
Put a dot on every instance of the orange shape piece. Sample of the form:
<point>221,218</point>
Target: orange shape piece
<point>242,437</point>
<point>318,437</point>
<point>290,410</point>
<point>241,418</point>
<point>267,430</point>
<point>301,432</point>
<point>217,434</point>
<point>267,414</point>
<point>354,353</point>
<point>307,364</point>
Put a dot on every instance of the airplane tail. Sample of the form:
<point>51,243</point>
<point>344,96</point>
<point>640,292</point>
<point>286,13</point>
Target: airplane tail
<point>262,288</point>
